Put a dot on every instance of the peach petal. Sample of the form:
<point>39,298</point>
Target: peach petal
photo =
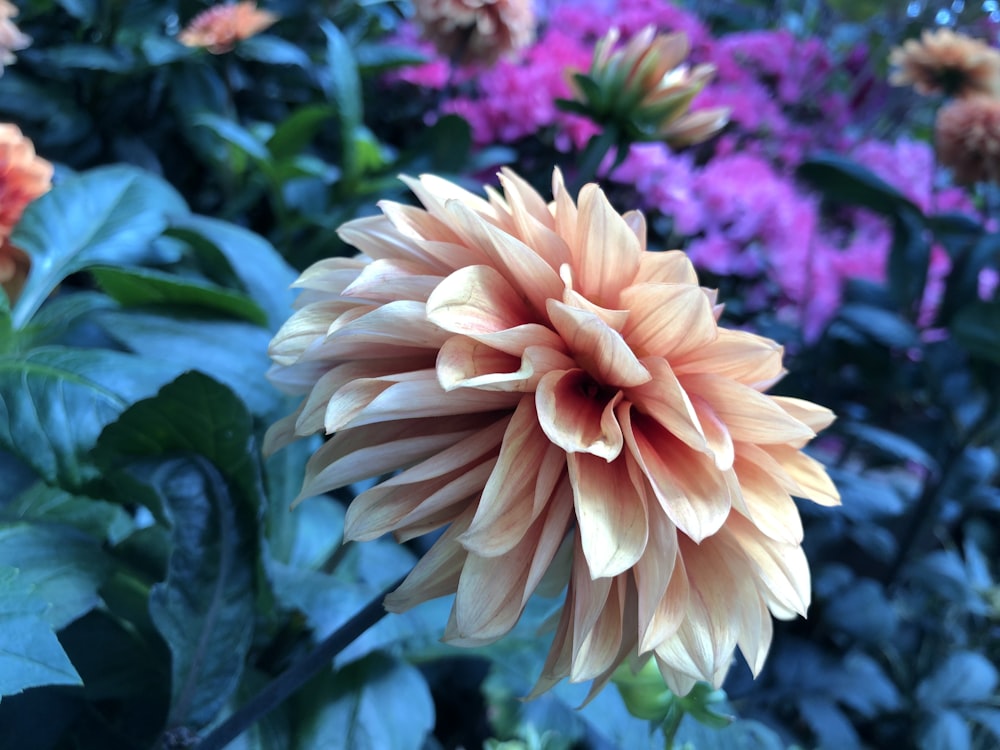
<point>520,191</point>
<point>402,323</point>
<point>749,415</point>
<point>437,572</point>
<point>434,192</point>
<point>575,420</point>
<point>670,611</point>
<point>755,635</point>
<point>280,434</point>
<point>766,503</point>
<point>564,210</point>
<point>597,347</point>
<point>668,320</point>
<point>666,267</point>
<point>745,357</point>
<point>637,223</point>
<point>653,572</point>
<point>665,400</point>
<point>387,280</point>
<point>303,328</point>
<point>809,475</point>
<point>720,442</point>
<point>358,453</point>
<point>466,363</point>
<point>378,238</point>
<point>613,524</point>
<point>601,645</point>
<point>691,491</point>
<point>812,415</point>
<point>372,400</point>
<point>331,275</point>
<point>552,535</point>
<point>507,508</point>
<point>516,340</point>
<point>476,299</point>
<point>535,279</point>
<point>607,254</point>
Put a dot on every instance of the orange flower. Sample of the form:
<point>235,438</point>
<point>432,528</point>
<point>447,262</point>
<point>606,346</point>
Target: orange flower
<point>946,62</point>
<point>967,138</point>
<point>564,401</point>
<point>644,86</point>
<point>11,38</point>
<point>23,177</point>
<point>476,31</point>
<point>219,28</point>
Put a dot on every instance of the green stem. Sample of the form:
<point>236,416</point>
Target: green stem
<point>288,682</point>
<point>597,148</point>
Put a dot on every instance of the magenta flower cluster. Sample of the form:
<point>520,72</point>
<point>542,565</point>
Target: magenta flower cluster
<point>736,209</point>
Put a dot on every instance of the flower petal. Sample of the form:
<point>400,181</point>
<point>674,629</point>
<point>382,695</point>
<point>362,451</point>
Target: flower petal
<point>476,299</point>
<point>607,254</point>
<point>612,518</point>
<point>598,348</point>
<point>812,415</point>
<point>745,357</point>
<point>749,415</point>
<point>464,362</point>
<point>691,490</point>
<point>809,475</point>
<point>386,280</point>
<point>666,267</point>
<point>668,320</point>
<point>575,419</point>
<point>665,400</point>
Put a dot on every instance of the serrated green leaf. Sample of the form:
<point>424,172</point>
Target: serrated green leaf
<point>30,653</point>
<point>55,401</point>
<point>131,287</point>
<point>372,704</point>
<point>42,503</point>
<point>205,608</point>
<point>64,566</point>
<point>108,215</point>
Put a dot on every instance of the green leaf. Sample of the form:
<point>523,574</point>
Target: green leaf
<point>976,326</point>
<point>42,503</point>
<point>106,216</point>
<point>372,704</point>
<point>87,57</point>
<point>30,654</point>
<point>891,444</point>
<point>964,677</point>
<point>55,401</point>
<point>230,351</point>
<point>65,566</point>
<point>846,182</point>
<point>882,326</point>
<point>263,272</point>
<point>58,316</point>
<point>205,608</point>
<point>131,287</point>
<point>379,57</point>
<point>342,84</point>
<point>298,130</point>
<point>962,284</point>
<point>193,414</point>
<point>267,48</point>
<point>234,134</point>
<point>909,260</point>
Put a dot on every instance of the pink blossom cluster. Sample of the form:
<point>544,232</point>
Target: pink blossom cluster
<point>739,215</point>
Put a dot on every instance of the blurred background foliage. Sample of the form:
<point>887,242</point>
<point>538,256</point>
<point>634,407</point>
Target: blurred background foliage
<point>189,186</point>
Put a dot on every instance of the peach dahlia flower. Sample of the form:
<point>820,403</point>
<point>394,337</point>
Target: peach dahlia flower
<point>564,402</point>
<point>476,31</point>
<point>945,62</point>
<point>967,138</point>
<point>219,28</point>
<point>24,176</point>
<point>11,38</point>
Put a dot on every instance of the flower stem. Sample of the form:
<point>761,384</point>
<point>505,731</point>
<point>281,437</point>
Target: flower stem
<point>293,678</point>
<point>597,148</point>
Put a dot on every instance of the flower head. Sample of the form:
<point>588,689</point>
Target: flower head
<point>11,38</point>
<point>219,28</point>
<point>946,62</point>
<point>476,31</point>
<point>644,87</point>
<point>967,138</point>
<point>23,177</point>
<point>565,403</point>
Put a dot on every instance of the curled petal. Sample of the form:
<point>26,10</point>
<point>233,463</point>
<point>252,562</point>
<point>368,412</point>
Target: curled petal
<point>665,400</point>
<point>693,493</point>
<point>598,348</point>
<point>578,417</point>
<point>466,363</point>
<point>476,299</point>
<point>812,415</point>
<point>389,280</point>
